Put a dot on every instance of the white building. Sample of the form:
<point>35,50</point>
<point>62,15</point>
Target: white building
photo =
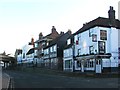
<point>96,45</point>
<point>30,55</point>
<point>68,52</point>
<point>25,49</point>
<point>19,59</point>
<point>18,56</point>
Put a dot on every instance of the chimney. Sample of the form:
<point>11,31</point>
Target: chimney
<point>111,13</point>
<point>32,41</point>
<point>84,24</point>
<point>53,29</point>
<point>69,31</point>
<point>40,35</point>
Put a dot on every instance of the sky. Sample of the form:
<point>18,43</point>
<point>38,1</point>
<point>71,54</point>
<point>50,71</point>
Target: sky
<point>20,20</point>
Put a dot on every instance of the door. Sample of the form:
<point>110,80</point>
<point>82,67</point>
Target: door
<point>82,66</point>
<point>98,66</point>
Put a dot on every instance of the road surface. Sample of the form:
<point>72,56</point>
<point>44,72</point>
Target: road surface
<point>39,80</point>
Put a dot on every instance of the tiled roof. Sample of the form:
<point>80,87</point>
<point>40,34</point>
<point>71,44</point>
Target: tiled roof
<point>56,40</point>
<point>50,36</point>
<point>100,21</point>
<point>53,42</point>
<point>30,51</point>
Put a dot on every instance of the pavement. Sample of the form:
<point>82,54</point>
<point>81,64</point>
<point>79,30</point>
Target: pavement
<point>5,81</point>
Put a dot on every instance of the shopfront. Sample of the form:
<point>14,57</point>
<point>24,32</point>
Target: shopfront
<point>92,63</point>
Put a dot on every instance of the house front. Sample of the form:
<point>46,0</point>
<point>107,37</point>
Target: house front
<point>42,42</point>
<point>53,53</point>
<point>68,55</point>
<point>97,45</point>
<point>25,50</point>
<point>18,56</point>
<point>30,57</point>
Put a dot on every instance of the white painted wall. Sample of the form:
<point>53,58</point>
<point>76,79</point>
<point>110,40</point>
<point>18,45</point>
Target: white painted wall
<point>85,41</point>
<point>119,41</point>
<point>68,52</point>
<point>112,44</point>
<point>114,47</point>
<point>68,55</point>
<point>19,58</point>
<point>30,58</point>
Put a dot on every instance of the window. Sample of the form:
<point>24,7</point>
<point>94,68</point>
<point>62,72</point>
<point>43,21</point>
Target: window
<point>90,33</point>
<point>47,43</point>
<point>54,48</point>
<point>51,49</point>
<point>68,64</point>
<point>79,38</point>
<point>43,43</point>
<point>94,37</point>
<point>36,45</point>
<point>98,62</point>
<point>91,48</point>
<point>119,53</point>
<point>42,50</point>
<point>77,42</point>
<point>89,63</point>
<point>103,34</point>
<point>78,64</point>
<point>23,55</point>
<point>46,51</point>
<point>101,47</point>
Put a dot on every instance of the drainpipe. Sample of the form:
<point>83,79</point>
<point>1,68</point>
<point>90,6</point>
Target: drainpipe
<point>73,60</point>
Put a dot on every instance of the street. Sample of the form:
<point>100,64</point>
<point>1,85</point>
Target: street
<point>39,80</point>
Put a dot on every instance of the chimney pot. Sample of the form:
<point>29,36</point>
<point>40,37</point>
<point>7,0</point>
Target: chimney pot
<point>69,31</point>
<point>40,35</point>
<point>53,29</point>
<point>61,33</point>
<point>111,13</point>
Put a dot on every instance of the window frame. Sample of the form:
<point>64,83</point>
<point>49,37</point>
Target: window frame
<point>103,34</point>
<point>94,36</point>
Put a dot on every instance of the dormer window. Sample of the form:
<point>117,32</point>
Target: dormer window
<point>47,43</point>
<point>68,42</point>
